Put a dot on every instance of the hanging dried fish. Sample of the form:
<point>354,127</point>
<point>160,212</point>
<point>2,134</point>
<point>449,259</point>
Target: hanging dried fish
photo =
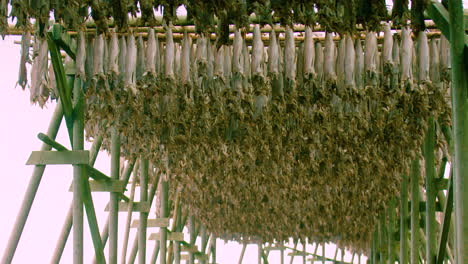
<point>340,61</point>
<point>273,54</point>
<point>140,64</point>
<point>219,62</point>
<point>210,59</point>
<point>227,62</point>
<point>423,57</point>
<point>387,49</point>
<point>122,58</point>
<point>89,63</point>
<point>257,52</point>
<point>201,58</point>
<point>309,54</point>
<point>169,55</point>
<point>237,61</point>
<point>359,68</point>
<point>245,64</point>
<point>105,63</point>
<point>444,56</point>
<point>319,60</point>
<point>151,54</point>
<point>114,55</point>
<point>23,72</point>
<point>435,62</point>
<point>349,61</point>
<point>81,56</point>
<point>370,58</point>
<point>406,55</point>
<point>329,59</point>
<point>39,78</point>
<point>185,60</point>
<point>130,64</point>
<point>99,56</point>
<point>396,63</point>
<point>290,55</point>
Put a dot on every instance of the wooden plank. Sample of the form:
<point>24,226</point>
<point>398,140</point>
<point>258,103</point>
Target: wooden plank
<point>158,222</point>
<point>298,254</point>
<point>104,186</point>
<point>189,248</point>
<point>174,236</point>
<point>137,207</point>
<point>75,157</point>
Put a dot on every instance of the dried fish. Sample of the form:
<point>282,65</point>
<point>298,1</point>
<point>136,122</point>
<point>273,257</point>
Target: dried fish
<point>227,62</point>
<point>387,48</point>
<point>257,52</point>
<point>219,62</point>
<point>140,63</point>
<point>340,61</point>
<point>237,59</point>
<point>309,53</point>
<point>349,61</point>
<point>444,58</point>
<point>435,62</point>
<point>185,60</point>
<point>114,55</point>
<point>329,58</point>
<point>406,54</point>
<point>169,55</point>
<point>130,64</point>
<point>151,50</point>
<point>81,56</point>
<point>289,55</point>
<point>99,56</point>
<point>273,54</point>
<point>423,57</point>
<point>319,60</point>
<point>359,68</point>
<point>39,78</point>
<point>23,73</point>
<point>370,58</point>
<point>122,58</point>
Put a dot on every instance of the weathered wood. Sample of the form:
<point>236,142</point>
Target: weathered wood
<point>75,157</point>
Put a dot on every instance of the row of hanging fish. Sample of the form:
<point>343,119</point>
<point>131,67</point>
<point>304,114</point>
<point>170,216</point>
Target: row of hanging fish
<point>348,62</point>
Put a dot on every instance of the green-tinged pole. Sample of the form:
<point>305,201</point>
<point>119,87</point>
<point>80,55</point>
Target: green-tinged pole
<point>193,238</point>
<point>213,250</point>
<point>292,256</point>
<point>382,240</point>
<point>78,173</point>
<point>374,247</point>
<point>143,215</point>
<point>431,193</point>
<point>403,220</point>
<point>391,231</point>
<point>204,240</point>
<point>323,253</point>
<point>460,126</point>
<point>414,255</point>
<point>155,254</point>
<point>65,232</point>
<point>31,190</point>
<point>128,222</point>
<point>114,200</point>
<point>260,250</point>
<point>164,214</point>
<point>304,257</point>
<point>134,250</point>
<point>241,257</point>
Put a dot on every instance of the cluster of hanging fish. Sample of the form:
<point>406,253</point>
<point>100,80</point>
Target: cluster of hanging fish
<point>303,140</point>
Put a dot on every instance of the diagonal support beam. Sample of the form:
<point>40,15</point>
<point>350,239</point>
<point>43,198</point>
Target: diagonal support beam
<point>446,224</point>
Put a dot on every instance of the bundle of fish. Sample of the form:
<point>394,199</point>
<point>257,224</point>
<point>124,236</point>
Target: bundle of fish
<point>303,140</point>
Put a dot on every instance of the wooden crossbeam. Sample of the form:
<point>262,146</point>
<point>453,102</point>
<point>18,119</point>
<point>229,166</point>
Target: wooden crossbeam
<point>74,157</point>
<point>174,236</point>
<point>104,186</point>
<point>445,224</point>
<point>136,207</point>
<point>158,222</point>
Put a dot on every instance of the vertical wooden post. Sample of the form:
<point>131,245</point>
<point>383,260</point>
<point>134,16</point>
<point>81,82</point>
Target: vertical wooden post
<point>164,214</point>
<point>114,203</point>
<point>143,215</point>
<point>403,220</point>
<point>415,212</point>
<point>460,123</point>
<point>391,231</point>
<point>431,193</point>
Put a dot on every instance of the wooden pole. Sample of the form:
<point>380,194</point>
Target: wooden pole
<point>143,215</point>
<point>114,202</point>
<point>403,220</point>
<point>415,212</point>
<point>431,193</point>
<point>459,88</point>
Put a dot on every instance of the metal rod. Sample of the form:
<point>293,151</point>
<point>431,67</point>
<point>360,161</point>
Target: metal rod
<point>460,124</point>
<point>403,220</point>
<point>241,257</point>
<point>31,191</point>
<point>414,256</point>
<point>113,201</point>
<point>143,215</point>
<point>164,213</point>
<point>431,193</point>
<point>128,222</point>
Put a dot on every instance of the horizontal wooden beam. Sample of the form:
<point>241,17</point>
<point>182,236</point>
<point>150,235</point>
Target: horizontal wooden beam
<point>75,157</point>
<point>136,207</point>
<point>174,236</point>
<point>104,186</point>
<point>158,222</point>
